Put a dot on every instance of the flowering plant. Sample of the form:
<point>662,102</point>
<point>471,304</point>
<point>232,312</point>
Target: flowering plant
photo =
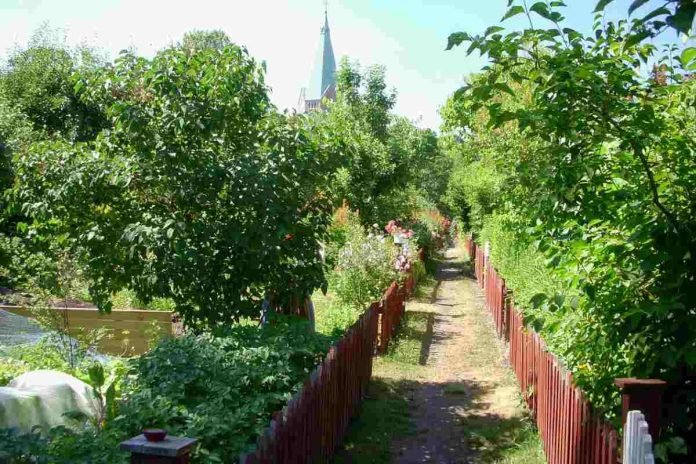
<point>364,267</point>
<point>393,228</point>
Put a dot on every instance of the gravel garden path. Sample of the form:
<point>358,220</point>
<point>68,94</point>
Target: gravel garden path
<point>464,402</point>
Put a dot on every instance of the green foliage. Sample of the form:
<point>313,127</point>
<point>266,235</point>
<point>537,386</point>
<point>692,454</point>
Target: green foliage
<point>194,195</point>
<point>220,390</point>
<point>15,132</point>
<point>11,368</point>
<point>61,446</point>
<point>391,166</point>
<point>473,192</point>
<point>47,354</point>
<point>198,40</point>
<point>431,230</point>
<point>39,81</point>
<point>37,100</point>
<point>588,166</point>
<point>364,268</point>
<point>332,316</point>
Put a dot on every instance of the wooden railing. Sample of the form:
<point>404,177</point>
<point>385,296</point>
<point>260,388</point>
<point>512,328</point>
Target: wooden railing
<point>393,310</point>
<point>312,424</point>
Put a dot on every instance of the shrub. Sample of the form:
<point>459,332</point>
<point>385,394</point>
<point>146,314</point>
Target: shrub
<point>221,390</point>
<point>61,446</point>
<point>593,158</point>
<point>194,195</point>
<point>365,267</point>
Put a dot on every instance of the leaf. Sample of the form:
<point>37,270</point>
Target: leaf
<point>637,38</point>
<point>538,300</point>
<point>542,10</point>
<point>655,13</point>
<point>96,374</point>
<point>514,11</point>
<point>601,5</point>
<point>683,19</point>
<point>493,30</point>
<point>504,87</point>
<point>688,59</point>
<point>635,5</point>
<point>456,39</point>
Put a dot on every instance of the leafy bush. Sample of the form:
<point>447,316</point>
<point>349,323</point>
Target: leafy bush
<point>11,368</point>
<point>38,79</point>
<point>391,166</point>
<point>61,446</point>
<point>431,230</point>
<point>220,390</point>
<point>365,267</point>
<point>196,196</point>
<point>48,353</point>
<point>592,158</point>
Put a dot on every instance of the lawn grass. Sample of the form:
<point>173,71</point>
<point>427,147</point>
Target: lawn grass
<point>510,441</point>
<point>384,414</point>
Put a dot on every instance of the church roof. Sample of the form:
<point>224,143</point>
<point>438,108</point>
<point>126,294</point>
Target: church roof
<point>324,73</point>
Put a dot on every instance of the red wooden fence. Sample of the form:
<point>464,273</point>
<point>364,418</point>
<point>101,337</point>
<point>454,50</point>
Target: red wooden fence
<point>572,432</point>
<point>313,423</point>
<point>393,311</point>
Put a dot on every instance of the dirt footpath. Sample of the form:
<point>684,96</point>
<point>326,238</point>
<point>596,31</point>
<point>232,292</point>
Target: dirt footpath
<point>465,403</point>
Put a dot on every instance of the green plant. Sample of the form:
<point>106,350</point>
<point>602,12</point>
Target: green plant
<point>220,390</point>
<point>104,388</point>
<point>11,368</point>
<point>365,267</point>
<point>193,195</point>
<point>591,151</point>
<point>61,446</point>
<point>38,79</point>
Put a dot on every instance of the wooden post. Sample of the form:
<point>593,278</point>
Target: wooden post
<point>643,395</point>
<point>171,450</point>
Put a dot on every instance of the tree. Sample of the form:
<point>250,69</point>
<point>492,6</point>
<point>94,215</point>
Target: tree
<point>201,192</point>
<point>38,80</point>
<point>390,161</point>
<point>199,40</point>
<point>597,168</point>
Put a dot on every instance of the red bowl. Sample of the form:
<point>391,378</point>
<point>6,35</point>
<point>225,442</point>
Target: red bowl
<point>155,434</point>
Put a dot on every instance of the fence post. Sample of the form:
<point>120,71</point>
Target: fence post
<point>644,395</point>
<point>170,450</point>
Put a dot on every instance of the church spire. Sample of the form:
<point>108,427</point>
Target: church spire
<point>324,75</point>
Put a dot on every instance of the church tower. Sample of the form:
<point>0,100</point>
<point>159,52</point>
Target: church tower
<point>323,80</point>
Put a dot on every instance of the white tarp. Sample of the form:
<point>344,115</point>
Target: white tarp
<point>42,398</point>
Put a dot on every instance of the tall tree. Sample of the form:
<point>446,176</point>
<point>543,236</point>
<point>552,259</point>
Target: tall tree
<point>200,40</point>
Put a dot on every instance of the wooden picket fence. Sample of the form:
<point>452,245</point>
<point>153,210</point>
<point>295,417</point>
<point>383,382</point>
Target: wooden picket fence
<point>571,431</point>
<point>394,308</point>
<point>637,442</point>
<point>313,423</point>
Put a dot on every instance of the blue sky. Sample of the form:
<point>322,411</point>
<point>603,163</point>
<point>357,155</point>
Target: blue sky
<point>407,36</point>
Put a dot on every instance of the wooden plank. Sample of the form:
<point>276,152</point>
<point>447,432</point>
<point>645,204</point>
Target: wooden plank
<point>90,313</point>
<point>119,326</point>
